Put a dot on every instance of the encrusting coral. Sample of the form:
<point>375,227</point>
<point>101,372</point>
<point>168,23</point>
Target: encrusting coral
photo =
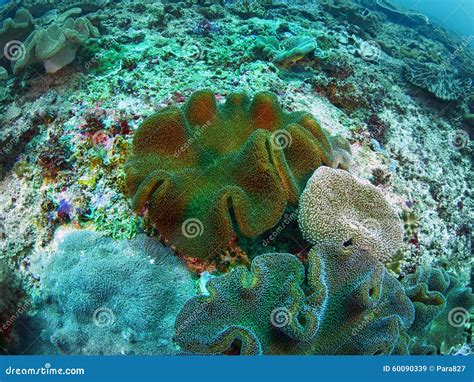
<point>338,207</point>
<point>105,296</point>
<point>351,306</point>
<point>437,80</point>
<point>193,171</point>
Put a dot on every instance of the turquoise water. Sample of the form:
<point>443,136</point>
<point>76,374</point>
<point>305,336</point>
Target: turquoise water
<point>455,15</point>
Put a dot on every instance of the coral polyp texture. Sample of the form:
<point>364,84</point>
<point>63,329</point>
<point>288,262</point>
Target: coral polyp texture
<point>338,207</point>
<point>204,173</point>
<point>351,306</point>
<point>437,80</point>
<point>443,307</point>
<point>105,296</point>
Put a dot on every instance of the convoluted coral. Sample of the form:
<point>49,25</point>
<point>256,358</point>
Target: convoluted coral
<point>351,306</point>
<point>437,80</point>
<point>101,296</point>
<point>55,45</point>
<point>336,206</point>
<point>193,171</point>
<point>442,309</point>
<point>237,313</point>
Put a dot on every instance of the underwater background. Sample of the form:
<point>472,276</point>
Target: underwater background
<point>236,177</point>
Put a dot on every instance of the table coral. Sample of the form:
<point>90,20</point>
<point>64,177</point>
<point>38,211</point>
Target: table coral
<point>193,171</point>
<point>351,306</point>
<point>338,207</point>
<point>437,80</point>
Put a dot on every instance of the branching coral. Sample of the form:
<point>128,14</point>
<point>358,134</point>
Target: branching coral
<point>209,171</point>
<point>351,306</point>
<point>437,80</point>
<point>55,46</point>
<point>410,223</point>
<point>338,207</point>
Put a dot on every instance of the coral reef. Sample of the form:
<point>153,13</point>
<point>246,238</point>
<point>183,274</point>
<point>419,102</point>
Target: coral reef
<point>291,51</point>
<point>13,31</point>
<point>55,45</point>
<point>437,80</point>
<point>351,306</point>
<point>357,16</point>
<point>192,169</point>
<point>400,15</point>
<point>65,139</point>
<point>442,311</point>
<point>101,296</point>
<point>10,307</point>
<point>337,207</point>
